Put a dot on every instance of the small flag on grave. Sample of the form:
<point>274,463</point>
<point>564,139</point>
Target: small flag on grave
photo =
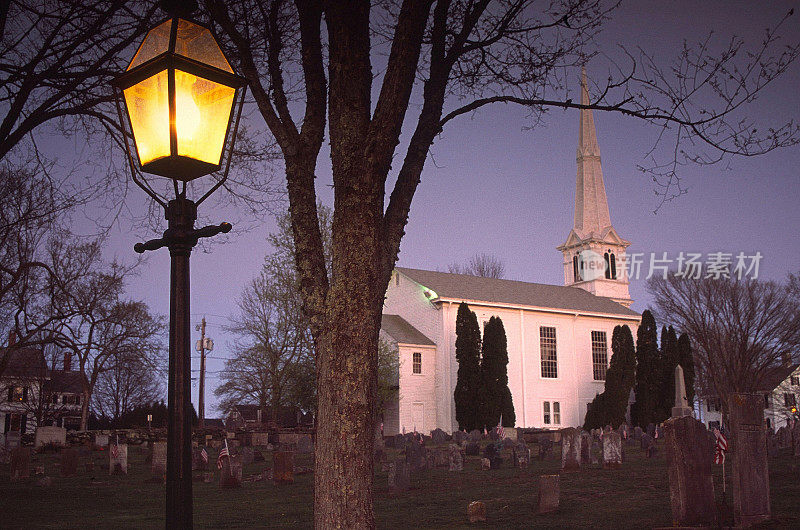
<point>222,453</point>
<point>204,455</point>
<point>501,433</point>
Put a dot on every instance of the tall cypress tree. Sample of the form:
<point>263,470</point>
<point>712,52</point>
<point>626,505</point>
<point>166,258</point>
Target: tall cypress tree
<point>496,397</point>
<point>647,374</point>
<point>609,407</point>
<point>668,360</point>
<point>686,360</point>
<point>468,385</point>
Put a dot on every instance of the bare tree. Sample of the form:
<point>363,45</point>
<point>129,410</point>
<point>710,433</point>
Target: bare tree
<point>483,265</point>
<point>741,329</point>
<point>458,56</point>
<point>132,380</point>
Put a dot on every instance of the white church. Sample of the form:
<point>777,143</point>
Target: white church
<point>559,337</point>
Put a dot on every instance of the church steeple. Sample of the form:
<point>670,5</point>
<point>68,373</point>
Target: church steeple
<point>594,254</point>
<point>591,205</point>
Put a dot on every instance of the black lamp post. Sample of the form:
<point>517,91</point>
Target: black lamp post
<point>182,102</point>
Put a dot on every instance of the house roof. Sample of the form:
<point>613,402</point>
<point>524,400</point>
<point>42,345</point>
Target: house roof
<point>23,362</point>
<point>247,412</point>
<point>64,381</point>
<point>214,422</point>
<point>775,376</point>
<point>403,332</point>
<point>492,290</point>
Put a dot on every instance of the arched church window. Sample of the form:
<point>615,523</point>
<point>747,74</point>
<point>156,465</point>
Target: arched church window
<point>613,266</point>
<point>575,269</point>
<point>608,266</point>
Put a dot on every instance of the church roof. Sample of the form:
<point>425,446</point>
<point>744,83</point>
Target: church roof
<point>492,290</point>
<point>403,332</point>
<point>776,375</point>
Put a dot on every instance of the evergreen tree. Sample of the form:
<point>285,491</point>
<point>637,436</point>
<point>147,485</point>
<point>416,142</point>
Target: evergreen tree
<point>468,385</point>
<point>508,417</point>
<point>668,360</point>
<point>647,373</point>
<point>609,407</point>
<point>686,360</point>
<point>494,375</point>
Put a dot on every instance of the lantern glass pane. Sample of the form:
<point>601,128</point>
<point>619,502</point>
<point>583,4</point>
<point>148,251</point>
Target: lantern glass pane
<point>156,43</point>
<point>196,42</point>
<point>148,110</point>
<point>202,115</point>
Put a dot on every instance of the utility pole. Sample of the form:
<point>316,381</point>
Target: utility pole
<point>202,345</point>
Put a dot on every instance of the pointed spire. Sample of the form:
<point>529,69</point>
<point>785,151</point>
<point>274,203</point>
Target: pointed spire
<point>591,205</point>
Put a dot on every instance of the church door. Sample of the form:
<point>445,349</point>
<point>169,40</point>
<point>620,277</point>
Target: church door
<point>418,417</point>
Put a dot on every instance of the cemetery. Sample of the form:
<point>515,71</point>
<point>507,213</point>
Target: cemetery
<point>539,480</point>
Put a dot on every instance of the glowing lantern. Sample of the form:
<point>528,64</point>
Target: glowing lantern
<point>179,94</point>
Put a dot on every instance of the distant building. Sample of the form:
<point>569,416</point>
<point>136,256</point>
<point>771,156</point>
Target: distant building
<point>31,394</point>
<point>251,416</point>
<point>558,335</point>
<point>781,388</point>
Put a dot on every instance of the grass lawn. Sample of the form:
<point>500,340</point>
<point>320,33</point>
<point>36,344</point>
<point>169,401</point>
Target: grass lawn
<point>635,496</point>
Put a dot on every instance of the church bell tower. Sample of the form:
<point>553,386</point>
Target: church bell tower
<point>594,254</point>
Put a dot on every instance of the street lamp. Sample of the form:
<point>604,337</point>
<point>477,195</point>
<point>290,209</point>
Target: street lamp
<point>182,103</point>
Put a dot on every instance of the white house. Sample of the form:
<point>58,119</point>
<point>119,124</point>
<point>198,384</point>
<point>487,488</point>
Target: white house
<point>558,336</point>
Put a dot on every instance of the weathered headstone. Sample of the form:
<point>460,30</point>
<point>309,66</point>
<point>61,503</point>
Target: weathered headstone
<point>492,453</point>
<point>50,435</point>
<point>545,448</point>
<point>416,456</point>
<point>521,455</point>
<point>283,467</point>
<point>459,437</point>
<point>486,464</point>
<point>259,439</point>
<point>549,492</point>
<point>637,433</point>
<point>476,511</point>
<point>230,476</point>
<point>101,440</point>
<point>456,457</point>
<point>306,445</point>
<point>511,433</point>
<point>651,430</point>
<point>13,440</point>
<point>20,463</point>
<point>570,449</point>
<point>248,455</point>
<point>586,448</point>
<point>681,407</point>
<point>158,464</point>
<point>472,449</point>
<point>475,435</point>
<point>647,443</point>
<point>438,436</point>
<point>691,486</point>
<point>69,462</point>
<point>612,450</point>
<point>118,459</point>
<point>399,477</point>
<point>258,456</point>
<point>751,502</point>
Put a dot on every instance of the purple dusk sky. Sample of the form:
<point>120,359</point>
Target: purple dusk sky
<point>492,186</point>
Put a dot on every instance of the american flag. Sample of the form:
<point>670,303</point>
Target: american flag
<point>204,455</point>
<point>501,433</point>
<point>222,453</point>
<point>115,449</point>
<point>720,447</point>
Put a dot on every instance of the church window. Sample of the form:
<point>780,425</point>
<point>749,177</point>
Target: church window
<point>599,355</point>
<point>613,266</point>
<point>575,268</point>
<point>416,363</point>
<point>556,413</point>
<point>608,266</point>
<point>546,410</point>
<point>547,347</point>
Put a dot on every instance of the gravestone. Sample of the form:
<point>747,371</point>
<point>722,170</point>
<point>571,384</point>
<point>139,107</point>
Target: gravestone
<point>508,443</point>
<point>441,457</point>
<point>476,511</point>
<point>258,456</point>
<point>459,437</point>
<point>13,440</point>
<point>416,456</point>
<point>647,443</point>
<point>69,462</point>
<point>651,430</point>
<point>158,464</point>
<point>248,455</point>
<point>20,463</point>
<point>118,465</point>
<point>586,448</point>
<point>595,453</point>
<point>511,433</point>
<point>283,467</point>
<point>101,440</point>
<point>50,435</point>
<point>691,486</point>
<point>751,502</point>
<point>681,407</point>
<point>456,457</point>
<point>570,449</point>
<point>230,476</point>
<point>438,436</point>
<point>305,444</point>
<point>472,448</point>
<point>549,492</point>
<point>486,464</point>
<point>612,450</point>
<point>259,439</point>
<point>399,476</point>
<point>492,453</point>
<point>475,435</point>
<point>399,441</point>
<point>545,448</point>
<point>637,433</point>
<point>521,455</point>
